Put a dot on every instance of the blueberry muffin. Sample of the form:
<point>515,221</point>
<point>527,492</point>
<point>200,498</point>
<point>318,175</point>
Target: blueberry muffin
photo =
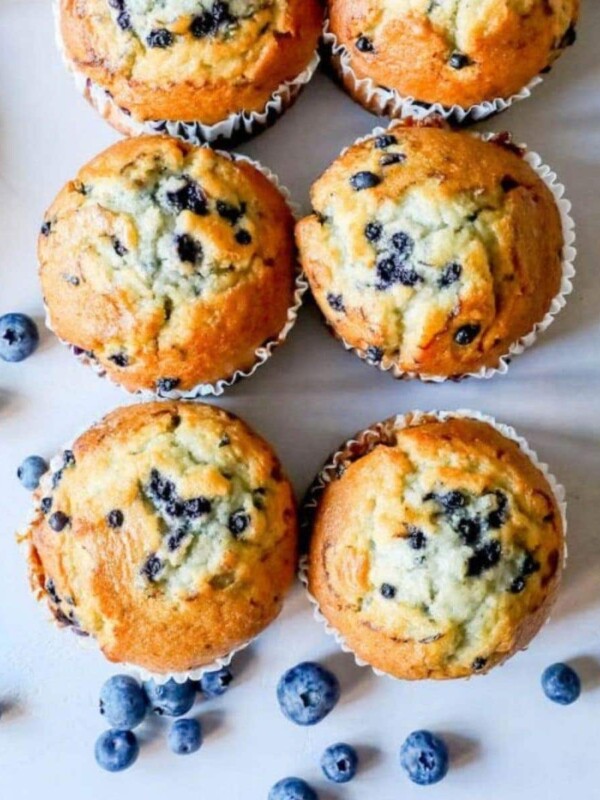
<point>430,251</point>
<point>451,52</point>
<point>436,547</point>
<point>168,265</point>
<point>212,65</point>
<point>167,533</point>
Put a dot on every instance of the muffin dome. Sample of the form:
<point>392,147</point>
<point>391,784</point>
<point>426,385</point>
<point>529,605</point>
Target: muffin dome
<point>168,533</point>
<point>436,548</point>
<point>167,264</point>
<point>188,60</point>
<point>432,251</point>
<point>455,52</point>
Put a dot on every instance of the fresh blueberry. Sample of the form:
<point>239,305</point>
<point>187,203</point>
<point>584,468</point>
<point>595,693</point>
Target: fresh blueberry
<point>171,698</point>
<point>364,44</point>
<point>185,736</point>
<point>46,228</point>
<point>389,159</point>
<point>459,60</point>
<point>123,702</point>
<point>450,274</point>
<point>119,359</point>
<point>119,247</point>
<point>469,530</point>
<point>364,180</point>
<point>152,567</point>
<point>58,521</point>
<point>388,591</point>
<point>188,249</point>
<point>19,337</point>
<point>292,789</point>
<point>196,507</point>
<point>384,141</point>
<point>374,354</point>
<point>167,384</point>
<point>416,538</point>
<point>238,522</point>
<point>243,237</point>
<point>160,37</point>
<point>31,470</point>
<point>453,500</point>
<point>508,183</point>
<point>373,231</point>
<point>478,664</point>
<point>561,684</point>
<point>339,763</point>
<point>208,23</point>
<point>116,750</point>
<point>484,558</point>
<point>424,758</point>
<point>466,334</point>
<point>336,302</point>
<point>497,518</point>
<point>46,504</point>
<point>307,693</point>
<point>394,270</point>
<point>230,212</point>
<point>214,684</point>
<point>189,198</point>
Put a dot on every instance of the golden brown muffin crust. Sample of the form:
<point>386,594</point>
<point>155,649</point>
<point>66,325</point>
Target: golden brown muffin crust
<point>454,52</point>
<point>203,64</point>
<point>437,553</point>
<point>180,542</point>
<point>168,262</point>
<point>432,251</point>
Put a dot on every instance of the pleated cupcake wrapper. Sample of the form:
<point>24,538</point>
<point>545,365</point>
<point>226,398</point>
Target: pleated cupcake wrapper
<point>262,353</point>
<point>236,127</point>
<point>366,441</point>
<point>89,642</point>
<point>569,254</point>
<point>390,103</point>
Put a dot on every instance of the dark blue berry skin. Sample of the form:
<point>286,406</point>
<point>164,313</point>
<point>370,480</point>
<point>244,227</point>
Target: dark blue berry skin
<point>171,698</point>
<point>364,180</point>
<point>243,237</point>
<point>185,736</point>
<point>450,274</point>
<point>384,141</point>
<point>561,684</point>
<point>373,231</point>
<point>214,684</point>
<point>189,198</point>
<point>424,758</point>
<point>459,60</point>
<point>238,522</point>
<point>466,334</point>
<point>339,763</point>
<point>160,37</point>
<point>336,302</point>
<point>387,591</point>
<point>188,249</point>
<point>307,693</point>
<point>123,702</point>
<point>394,270</point>
<point>484,558</point>
<point>292,789</point>
<point>31,470</point>
<point>58,521</point>
<point>364,44</point>
<point>19,337</point>
<point>167,384</point>
<point>115,518</point>
<point>116,750</point>
<point>389,159</point>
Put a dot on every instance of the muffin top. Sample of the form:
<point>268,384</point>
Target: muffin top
<point>436,551</point>
<point>432,251</point>
<point>190,60</point>
<point>168,264</point>
<point>167,532</point>
<point>453,52</point>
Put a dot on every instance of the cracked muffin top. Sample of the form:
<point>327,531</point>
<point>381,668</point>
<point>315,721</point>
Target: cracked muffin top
<point>167,532</point>
<point>436,551</point>
<point>453,52</point>
<point>432,251</point>
<point>169,265</point>
<point>189,60</point>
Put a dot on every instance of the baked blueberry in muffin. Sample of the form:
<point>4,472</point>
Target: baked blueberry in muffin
<point>436,546</point>
<point>451,52</point>
<point>184,264</point>
<point>216,69</point>
<point>432,251</point>
<point>152,560</point>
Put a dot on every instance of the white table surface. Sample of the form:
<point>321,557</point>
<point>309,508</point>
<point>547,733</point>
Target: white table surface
<point>507,741</point>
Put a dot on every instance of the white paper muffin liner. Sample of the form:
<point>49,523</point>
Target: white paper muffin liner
<point>363,443</point>
<point>569,254</point>
<point>234,129</point>
<point>390,103</point>
<point>262,353</point>
<point>87,641</point>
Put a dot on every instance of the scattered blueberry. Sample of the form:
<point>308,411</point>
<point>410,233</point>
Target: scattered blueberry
<point>336,302</point>
<point>152,567</point>
<point>243,237</point>
<point>46,504</point>
<point>19,337</point>
<point>230,212</point>
<point>570,37</point>
<point>185,736</point>
<point>31,470</point>
<point>307,693</point>
<point>160,37</point>
<point>292,789</point>
<point>116,750</point>
<point>373,231</point>
<point>167,384</point>
<point>46,228</point>
<point>196,507</point>
<point>424,758</point>
<point>374,354</point>
<point>123,702</point>
<point>238,522</point>
<point>508,183</point>
<point>188,249</point>
<point>364,44</point>
<point>389,159</point>
<point>119,359</point>
<point>478,664</point>
<point>450,274</point>
<point>466,334</point>
<point>484,558</point>
<point>58,521</point>
<point>119,247</point>
<point>364,180</point>
<point>469,530</point>
<point>459,60</point>
<point>339,763</point>
<point>496,519</point>
<point>208,23</point>
<point>216,683</point>
<point>384,141</point>
<point>171,698</point>
<point>416,538</point>
<point>453,500</point>
<point>394,270</point>
<point>115,518</point>
<point>388,591</point>
<point>189,198</point>
<point>561,684</point>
